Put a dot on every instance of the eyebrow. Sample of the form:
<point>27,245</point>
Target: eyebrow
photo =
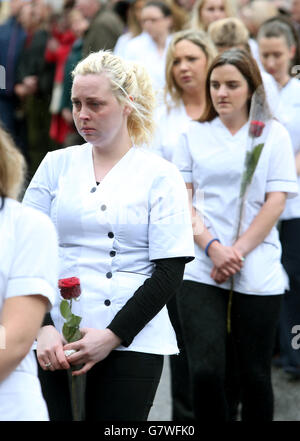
<point>73,98</point>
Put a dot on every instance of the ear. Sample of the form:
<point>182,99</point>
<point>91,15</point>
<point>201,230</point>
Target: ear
<point>292,51</point>
<point>127,110</point>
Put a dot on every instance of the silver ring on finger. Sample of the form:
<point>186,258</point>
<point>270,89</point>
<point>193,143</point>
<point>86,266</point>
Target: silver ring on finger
<point>48,365</point>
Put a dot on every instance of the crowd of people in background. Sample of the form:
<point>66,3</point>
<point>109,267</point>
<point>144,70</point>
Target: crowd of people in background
<point>186,46</point>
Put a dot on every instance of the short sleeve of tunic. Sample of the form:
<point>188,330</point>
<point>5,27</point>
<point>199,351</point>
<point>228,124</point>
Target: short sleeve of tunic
<point>34,254</point>
<point>170,228</point>
<point>282,174</point>
<point>42,187</point>
<point>183,159</point>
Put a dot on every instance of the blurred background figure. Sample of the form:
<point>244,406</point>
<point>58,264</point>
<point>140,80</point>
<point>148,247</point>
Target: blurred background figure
<point>150,47</point>
<point>278,45</point>
<point>79,24</point>
<point>230,33</point>
<point>133,26</point>
<point>253,15</point>
<point>34,80</point>
<point>207,11</point>
<point>105,26</point>
<point>58,48</point>
<point>12,39</point>
<point>295,14</point>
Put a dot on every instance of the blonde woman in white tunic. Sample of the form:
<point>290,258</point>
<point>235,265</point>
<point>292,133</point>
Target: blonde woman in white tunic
<point>211,157</point>
<point>277,47</point>
<point>189,55</point>
<point>29,258</point>
<point>127,238</point>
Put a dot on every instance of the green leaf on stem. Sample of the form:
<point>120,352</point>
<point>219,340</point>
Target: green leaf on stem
<point>71,333</point>
<point>65,309</point>
<point>73,321</point>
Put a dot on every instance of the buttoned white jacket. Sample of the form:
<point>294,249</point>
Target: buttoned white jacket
<point>110,234</point>
<point>29,265</point>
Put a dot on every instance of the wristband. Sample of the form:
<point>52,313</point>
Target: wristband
<point>209,244</point>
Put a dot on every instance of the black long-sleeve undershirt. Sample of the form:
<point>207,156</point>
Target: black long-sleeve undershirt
<point>148,299</point>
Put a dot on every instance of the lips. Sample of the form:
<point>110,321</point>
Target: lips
<point>87,129</point>
<point>185,78</point>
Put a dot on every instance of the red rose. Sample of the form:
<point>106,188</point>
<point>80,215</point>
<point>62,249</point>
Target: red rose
<point>256,128</point>
<point>69,288</point>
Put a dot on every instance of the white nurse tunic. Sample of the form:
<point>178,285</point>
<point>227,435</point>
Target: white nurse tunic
<point>288,114</point>
<point>29,265</point>
<point>213,160</point>
<point>143,49</point>
<point>109,235</point>
<point>171,121</point>
<point>121,44</point>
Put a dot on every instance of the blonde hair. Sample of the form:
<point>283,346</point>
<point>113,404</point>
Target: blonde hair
<point>196,23</point>
<point>131,85</point>
<point>12,167</point>
<point>228,32</point>
<point>200,39</point>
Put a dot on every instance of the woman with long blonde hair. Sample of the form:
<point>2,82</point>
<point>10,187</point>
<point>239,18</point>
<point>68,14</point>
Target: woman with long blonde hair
<point>205,12</point>
<point>189,55</point>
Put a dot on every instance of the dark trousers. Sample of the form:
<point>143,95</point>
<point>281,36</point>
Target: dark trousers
<point>226,368</point>
<point>290,311</point>
<point>181,394</point>
<point>122,387</point>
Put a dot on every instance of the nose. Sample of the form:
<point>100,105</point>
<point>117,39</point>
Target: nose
<point>83,113</point>
<point>183,65</point>
<point>270,62</point>
<point>217,15</point>
<point>222,91</point>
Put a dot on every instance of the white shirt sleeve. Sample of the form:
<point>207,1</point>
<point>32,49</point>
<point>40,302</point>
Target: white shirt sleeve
<point>39,193</point>
<point>170,227</point>
<point>34,267</point>
<point>282,174</point>
<point>182,158</point>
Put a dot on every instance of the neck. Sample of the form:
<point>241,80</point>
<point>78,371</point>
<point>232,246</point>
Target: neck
<point>234,123</point>
<point>194,102</point>
<point>161,42</point>
<point>284,80</point>
<point>193,96</point>
<point>105,157</point>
